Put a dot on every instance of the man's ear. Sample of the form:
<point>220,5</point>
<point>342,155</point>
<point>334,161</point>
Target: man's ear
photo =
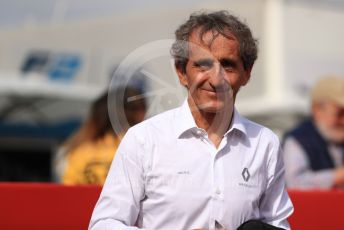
<point>247,76</point>
<point>315,108</point>
<point>181,75</point>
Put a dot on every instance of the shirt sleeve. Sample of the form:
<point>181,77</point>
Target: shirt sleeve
<point>118,206</point>
<point>275,204</point>
<point>298,171</point>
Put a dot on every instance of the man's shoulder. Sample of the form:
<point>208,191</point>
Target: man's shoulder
<point>260,134</point>
<point>255,128</point>
<point>160,121</point>
<point>302,129</point>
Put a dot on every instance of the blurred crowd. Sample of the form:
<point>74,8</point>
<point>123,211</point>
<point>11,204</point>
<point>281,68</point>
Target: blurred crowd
<point>86,156</point>
<point>313,149</point>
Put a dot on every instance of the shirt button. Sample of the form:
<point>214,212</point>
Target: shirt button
<point>212,221</point>
<point>218,191</point>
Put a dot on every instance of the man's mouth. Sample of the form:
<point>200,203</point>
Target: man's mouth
<point>222,90</point>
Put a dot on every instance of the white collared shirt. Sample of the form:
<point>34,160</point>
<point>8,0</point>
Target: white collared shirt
<point>299,174</point>
<point>167,175</point>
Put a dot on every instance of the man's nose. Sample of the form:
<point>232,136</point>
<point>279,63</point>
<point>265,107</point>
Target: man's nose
<point>340,116</point>
<point>217,78</point>
<point>341,120</point>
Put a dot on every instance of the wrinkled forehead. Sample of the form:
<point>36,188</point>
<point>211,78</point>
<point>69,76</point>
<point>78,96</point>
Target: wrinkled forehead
<point>211,42</point>
<point>206,37</point>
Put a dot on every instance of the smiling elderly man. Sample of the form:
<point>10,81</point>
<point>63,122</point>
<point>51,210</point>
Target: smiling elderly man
<point>314,149</point>
<point>202,165</point>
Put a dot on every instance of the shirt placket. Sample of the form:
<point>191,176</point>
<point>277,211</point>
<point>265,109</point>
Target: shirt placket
<point>216,210</point>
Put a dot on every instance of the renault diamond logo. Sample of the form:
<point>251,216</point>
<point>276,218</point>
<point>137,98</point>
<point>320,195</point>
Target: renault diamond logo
<point>245,174</point>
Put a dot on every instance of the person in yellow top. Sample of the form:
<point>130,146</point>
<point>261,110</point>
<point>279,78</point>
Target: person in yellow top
<point>90,151</point>
<point>90,162</point>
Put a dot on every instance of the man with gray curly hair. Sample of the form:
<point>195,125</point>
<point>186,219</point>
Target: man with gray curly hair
<point>201,165</point>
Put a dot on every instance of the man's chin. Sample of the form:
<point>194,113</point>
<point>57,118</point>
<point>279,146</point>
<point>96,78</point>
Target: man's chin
<point>337,138</point>
<point>332,135</point>
<point>212,107</point>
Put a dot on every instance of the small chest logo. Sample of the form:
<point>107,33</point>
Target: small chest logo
<point>245,174</point>
<point>185,172</point>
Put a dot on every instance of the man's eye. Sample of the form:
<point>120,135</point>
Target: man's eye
<point>228,68</point>
<point>228,65</point>
<point>203,65</point>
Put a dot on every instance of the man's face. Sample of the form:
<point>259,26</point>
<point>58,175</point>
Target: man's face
<point>330,119</point>
<point>214,71</point>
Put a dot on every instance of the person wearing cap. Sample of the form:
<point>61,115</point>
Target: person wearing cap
<point>314,149</point>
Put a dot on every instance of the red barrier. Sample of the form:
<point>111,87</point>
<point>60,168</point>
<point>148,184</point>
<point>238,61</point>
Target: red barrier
<point>317,210</point>
<point>46,206</point>
<point>55,207</point>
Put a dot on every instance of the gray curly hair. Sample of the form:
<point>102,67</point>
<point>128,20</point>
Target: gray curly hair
<point>219,22</point>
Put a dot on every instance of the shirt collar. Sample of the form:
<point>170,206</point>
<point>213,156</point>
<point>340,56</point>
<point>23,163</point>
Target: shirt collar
<point>184,119</point>
<point>237,123</point>
<point>186,122</point>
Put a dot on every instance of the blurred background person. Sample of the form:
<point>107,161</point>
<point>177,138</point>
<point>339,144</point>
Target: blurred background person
<point>56,56</point>
<point>89,152</point>
<point>314,149</point>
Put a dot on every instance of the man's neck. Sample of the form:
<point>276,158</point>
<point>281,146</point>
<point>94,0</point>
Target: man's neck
<point>215,124</point>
